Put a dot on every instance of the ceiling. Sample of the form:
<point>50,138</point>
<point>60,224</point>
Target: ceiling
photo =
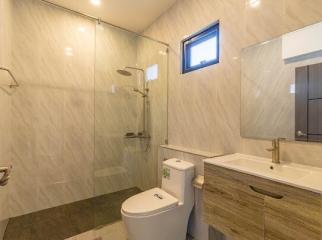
<point>134,15</point>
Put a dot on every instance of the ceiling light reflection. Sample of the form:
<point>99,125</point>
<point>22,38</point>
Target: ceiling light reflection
<point>96,2</point>
<point>81,29</point>
<point>69,51</point>
<point>254,3</point>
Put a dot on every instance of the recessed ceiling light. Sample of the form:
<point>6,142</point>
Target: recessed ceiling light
<point>96,2</point>
<point>254,3</point>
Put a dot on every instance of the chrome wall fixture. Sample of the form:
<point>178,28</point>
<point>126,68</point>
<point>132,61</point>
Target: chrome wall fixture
<point>6,175</point>
<point>143,93</point>
<point>15,84</point>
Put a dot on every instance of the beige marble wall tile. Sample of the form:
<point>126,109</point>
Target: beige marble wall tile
<point>5,106</point>
<point>204,105</point>
<point>196,100</point>
<point>298,152</point>
<point>264,20</point>
<point>53,109</point>
<point>301,13</point>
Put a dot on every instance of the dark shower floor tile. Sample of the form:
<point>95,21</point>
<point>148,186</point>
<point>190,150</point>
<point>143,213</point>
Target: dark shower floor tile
<point>68,220</point>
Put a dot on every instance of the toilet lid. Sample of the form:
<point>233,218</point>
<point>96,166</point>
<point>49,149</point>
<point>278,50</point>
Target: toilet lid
<point>149,202</point>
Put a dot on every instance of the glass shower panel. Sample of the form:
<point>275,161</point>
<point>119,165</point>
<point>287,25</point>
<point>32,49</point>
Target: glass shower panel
<point>115,109</point>
<point>153,58</point>
<point>84,124</point>
<point>130,112</point>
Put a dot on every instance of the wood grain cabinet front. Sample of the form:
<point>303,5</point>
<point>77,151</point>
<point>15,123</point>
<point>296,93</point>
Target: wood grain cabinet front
<point>245,207</point>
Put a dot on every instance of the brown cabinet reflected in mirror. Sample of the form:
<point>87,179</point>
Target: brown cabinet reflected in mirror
<point>281,89</point>
<point>308,103</point>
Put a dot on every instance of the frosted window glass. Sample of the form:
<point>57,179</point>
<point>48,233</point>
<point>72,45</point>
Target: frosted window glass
<point>152,72</point>
<point>203,52</point>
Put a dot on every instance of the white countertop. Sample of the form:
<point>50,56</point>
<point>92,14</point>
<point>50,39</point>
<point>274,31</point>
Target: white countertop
<point>296,175</point>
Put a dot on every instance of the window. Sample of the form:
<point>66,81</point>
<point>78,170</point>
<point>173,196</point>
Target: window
<point>201,49</point>
<point>152,73</point>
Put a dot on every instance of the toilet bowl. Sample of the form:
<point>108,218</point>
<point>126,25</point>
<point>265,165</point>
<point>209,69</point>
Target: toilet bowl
<point>162,213</point>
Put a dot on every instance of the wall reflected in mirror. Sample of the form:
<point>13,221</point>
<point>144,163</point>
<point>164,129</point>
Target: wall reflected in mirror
<point>282,87</point>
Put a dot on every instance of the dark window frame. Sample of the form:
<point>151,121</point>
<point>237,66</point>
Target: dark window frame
<point>188,43</point>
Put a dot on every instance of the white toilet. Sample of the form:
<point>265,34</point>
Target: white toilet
<point>162,214</point>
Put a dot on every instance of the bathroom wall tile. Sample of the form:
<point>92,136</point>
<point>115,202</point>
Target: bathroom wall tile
<point>297,152</point>
<point>82,188</point>
<point>204,106</point>
<point>302,13</point>
<point>23,199</point>
<point>190,94</point>
<point>264,20</point>
<point>52,111</point>
<point>303,153</point>
<point>194,98</point>
<point>51,195</point>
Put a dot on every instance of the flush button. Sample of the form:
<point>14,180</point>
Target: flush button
<point>158,196</point>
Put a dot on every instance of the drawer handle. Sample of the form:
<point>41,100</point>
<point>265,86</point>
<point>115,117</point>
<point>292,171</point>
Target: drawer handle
<point>266,193</point>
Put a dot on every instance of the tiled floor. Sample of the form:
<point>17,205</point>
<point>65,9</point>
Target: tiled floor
<point>114,231</point>
<point>70,220</point>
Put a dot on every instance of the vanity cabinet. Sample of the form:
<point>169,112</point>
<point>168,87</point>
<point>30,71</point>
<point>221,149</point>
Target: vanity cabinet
<point>245,207</point>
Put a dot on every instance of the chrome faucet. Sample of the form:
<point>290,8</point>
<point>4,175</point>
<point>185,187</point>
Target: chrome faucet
<point>276,150</point>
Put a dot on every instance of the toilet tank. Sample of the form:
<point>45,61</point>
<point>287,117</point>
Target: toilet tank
<point>177,177</point>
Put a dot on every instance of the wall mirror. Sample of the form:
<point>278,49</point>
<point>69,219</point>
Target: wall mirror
<point>281,92</point>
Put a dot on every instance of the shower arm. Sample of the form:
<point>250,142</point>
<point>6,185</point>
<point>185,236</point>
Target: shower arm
<point>134,68</point>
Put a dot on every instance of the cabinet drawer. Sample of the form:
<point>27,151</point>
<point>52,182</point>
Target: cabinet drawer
<point>247,207</point>
<point>231,206</point>
<point>296,216</point>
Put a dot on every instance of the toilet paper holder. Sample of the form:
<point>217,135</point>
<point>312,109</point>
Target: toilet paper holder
<point>198,182</point>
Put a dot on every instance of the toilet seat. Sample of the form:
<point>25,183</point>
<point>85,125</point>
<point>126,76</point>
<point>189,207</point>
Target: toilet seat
<point>149,202</point>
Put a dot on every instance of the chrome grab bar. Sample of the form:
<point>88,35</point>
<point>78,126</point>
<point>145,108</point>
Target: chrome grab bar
<point>6,175</point>
<point>16,84</point>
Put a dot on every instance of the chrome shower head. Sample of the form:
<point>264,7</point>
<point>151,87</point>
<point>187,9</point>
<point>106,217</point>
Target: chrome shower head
<point>124,72</point>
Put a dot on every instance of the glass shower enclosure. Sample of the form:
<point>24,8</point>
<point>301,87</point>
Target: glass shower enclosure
<point>84,124</point>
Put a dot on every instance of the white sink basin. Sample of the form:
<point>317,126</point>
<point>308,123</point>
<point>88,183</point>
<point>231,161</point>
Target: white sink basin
<point>264,167</point>
<point>302,176</point>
